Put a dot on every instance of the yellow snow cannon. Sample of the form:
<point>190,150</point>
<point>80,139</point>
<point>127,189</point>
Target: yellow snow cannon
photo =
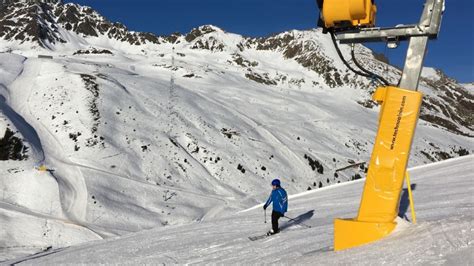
<point>344,14</point>
<point>351,22</point>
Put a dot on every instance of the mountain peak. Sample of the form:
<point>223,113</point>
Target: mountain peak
<point>47,22</point>
<point>6,2</point>
<point>201,31</point>
<point>210,28</point>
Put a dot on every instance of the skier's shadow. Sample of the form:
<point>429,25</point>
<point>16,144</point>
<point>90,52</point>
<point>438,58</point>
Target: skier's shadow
<point>405,203</point>
<point>300,219</point>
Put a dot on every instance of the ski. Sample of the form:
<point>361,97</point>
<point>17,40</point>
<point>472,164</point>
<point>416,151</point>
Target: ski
<point>258,237</point>
<point>254,238</point>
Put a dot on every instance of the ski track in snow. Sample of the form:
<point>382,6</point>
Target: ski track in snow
<point>72,188</point>
<point>210,213</point>
<point>259,128</point>
<point>27,131</point>
<point>444,234</point>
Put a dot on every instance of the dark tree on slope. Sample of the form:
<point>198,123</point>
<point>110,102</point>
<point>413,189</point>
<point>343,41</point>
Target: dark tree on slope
<point>12,148</point>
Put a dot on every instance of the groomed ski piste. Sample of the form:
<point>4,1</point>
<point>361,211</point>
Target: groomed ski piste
<point>444,234</point>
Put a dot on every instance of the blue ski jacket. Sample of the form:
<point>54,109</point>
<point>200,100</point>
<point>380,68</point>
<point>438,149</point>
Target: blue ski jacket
<point>279,199</point>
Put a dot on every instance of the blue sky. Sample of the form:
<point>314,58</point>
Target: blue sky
<point>452,52</point>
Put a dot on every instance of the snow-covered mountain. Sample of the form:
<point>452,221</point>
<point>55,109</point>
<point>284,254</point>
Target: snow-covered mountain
<point>140,131</point>
<point>48,23</point>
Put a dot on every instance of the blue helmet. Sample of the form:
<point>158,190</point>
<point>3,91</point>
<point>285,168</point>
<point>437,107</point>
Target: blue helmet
<point>276,182</point>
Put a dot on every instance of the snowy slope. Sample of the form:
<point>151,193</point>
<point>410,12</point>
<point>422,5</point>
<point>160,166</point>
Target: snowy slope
<point>444,203</point>
<point>141,131</point>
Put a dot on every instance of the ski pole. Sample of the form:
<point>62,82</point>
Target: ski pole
<point>265,214</point>
<point>291,219</point>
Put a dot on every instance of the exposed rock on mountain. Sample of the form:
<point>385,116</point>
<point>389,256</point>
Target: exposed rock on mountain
<point>44,22</point>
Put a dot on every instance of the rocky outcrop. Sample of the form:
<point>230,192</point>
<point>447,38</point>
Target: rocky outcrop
<point>41,21</point>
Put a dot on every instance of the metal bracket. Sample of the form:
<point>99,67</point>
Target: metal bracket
<point>429,26</point>
<point>417,35</point>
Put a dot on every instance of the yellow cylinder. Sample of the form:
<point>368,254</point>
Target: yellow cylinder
<point>357,9</point>
<point>348,13</point>
<point>384,182</point>
<point>387,168</point>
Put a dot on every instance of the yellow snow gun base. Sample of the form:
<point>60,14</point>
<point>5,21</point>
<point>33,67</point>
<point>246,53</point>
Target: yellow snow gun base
<point>387,169</point>
<point>349,233</point>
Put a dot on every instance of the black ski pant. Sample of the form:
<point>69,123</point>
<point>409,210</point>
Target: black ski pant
<point>275,217</point>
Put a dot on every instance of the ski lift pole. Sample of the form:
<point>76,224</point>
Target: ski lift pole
<point>410,196</point>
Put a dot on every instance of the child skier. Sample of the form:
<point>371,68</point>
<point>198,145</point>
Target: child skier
<point>280,205</point>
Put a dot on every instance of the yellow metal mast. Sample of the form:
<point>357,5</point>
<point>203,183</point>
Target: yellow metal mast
<point>353,21</point>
